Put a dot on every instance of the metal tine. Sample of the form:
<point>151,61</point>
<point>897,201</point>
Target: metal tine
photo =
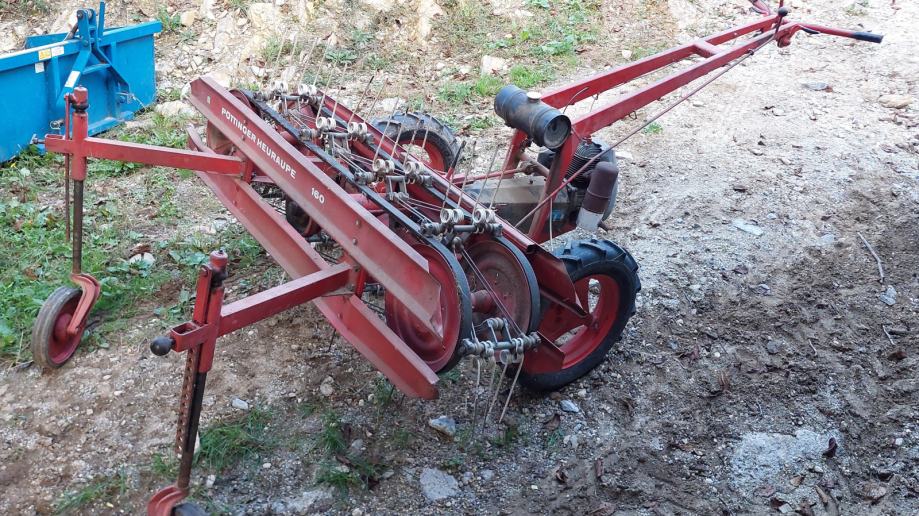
<point>450,185</point>
<point>511,391</point>
<point>340,89</point>
<point>385,129</point>
<point>475,392</point>
<point>491,166</point>
<point>325,52</point>
<point>361,99</point>
<point>497,391</point>
<point>459,198</point>
<point>498,187</point>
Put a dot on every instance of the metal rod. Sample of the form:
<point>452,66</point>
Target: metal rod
<point>77,265</point>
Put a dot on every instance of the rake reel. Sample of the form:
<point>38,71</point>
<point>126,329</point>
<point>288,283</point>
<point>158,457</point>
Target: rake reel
<point>458,275</point>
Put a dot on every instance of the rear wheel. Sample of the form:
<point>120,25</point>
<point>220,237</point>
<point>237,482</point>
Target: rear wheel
<point>424,136</point>
<point>605,277</point>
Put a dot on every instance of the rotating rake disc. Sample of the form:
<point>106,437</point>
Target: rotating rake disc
<point>503,283</point>
<point>440,353</point>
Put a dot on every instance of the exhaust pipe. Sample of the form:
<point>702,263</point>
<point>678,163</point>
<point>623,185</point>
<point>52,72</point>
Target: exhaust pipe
<point>602,181</point>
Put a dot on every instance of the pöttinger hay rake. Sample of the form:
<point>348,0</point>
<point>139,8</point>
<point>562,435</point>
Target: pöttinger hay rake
<point>458,256</point>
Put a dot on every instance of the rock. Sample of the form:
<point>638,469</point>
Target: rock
<point>187,18</point>
<point>437,485</point>
<point>208,9</point>
<point>747,227</point>
<point>427,10</point>
<point>889,296</point>
<point>356,448</point>
<point>827,239</point>
<point>266,465</point>
<point>761,458</point>
<point>627,54</point>
<point>264,16</point>
<point>142,260</point>
<point>895,101</point>
<point>467,477</point>
<point>444,424</point>
<point>487,475</point>
<point>817,86</point>
<point>379,5</point>
<point>898,442</point>
<point>570,406</point>
<point>327,387</point>
<point>491,65</point>
<point>209,483</point>
<point>239,404</point>
<point>762,289</point>
<point>626,155</point>
<point>175,108</point>
<point>310,502</point>
<point>873,491</point>
<point>757,151</point>
<point>571,440</point>
<point>773,347</point>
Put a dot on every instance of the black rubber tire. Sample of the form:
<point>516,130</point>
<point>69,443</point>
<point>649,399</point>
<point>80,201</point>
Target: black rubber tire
<point>44,323</point>
<point>584,258</point>
<point>188,509</point>
<point>412,127</point>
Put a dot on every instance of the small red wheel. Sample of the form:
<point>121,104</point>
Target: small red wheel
<point>424,136</point>
<point>455,312</point>
<point>606,281</point>
<point>51,346</point>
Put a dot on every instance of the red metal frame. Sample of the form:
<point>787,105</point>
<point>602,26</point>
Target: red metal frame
<point>768,27</point>
<point>257,152</point>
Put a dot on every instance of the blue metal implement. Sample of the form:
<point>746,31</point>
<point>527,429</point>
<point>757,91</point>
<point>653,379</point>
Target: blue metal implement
<point>115,65</point>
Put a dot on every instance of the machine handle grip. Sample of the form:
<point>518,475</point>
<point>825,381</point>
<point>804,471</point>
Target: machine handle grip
<point>868,36</point>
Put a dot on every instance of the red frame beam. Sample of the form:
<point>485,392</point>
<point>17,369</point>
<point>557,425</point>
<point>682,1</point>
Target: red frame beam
<point>350,316</point>
<point>387,258</point>
<point>267,303</point>
<point>147,154</point>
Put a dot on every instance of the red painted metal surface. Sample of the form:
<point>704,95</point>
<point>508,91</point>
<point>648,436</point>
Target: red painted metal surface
<point>361,235</point>
<point>357,323</point>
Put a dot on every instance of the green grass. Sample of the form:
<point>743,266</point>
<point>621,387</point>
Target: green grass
<point>36,257</point>
<point>170,22</point>
<point>238,4</point>
<point>227,443</point>
<point>277,47</point>
<point>526,77</point>
<point>97,490</point>
<point>653,128</point>
<point>383,392</point>
<point>165,466</point>
<point>488,85</point>
<point>455,93</point>
<point>331,439</point>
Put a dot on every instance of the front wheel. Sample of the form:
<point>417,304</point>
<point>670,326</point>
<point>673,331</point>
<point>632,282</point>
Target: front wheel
<point>52,347</point>
<point>605,277</point>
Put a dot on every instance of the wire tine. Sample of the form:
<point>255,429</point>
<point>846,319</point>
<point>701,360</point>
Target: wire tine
<point>511,391</point>
<point>491,166</point>
<point>497,391</point>
<point>361,99</point>
<point>385,130</point>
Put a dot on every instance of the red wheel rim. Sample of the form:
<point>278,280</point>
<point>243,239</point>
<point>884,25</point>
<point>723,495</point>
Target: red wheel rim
<point>434,351</point>
<point>498,272</point>
<point>578,337</point>
<point>428,153</point>
<point>60,345</point>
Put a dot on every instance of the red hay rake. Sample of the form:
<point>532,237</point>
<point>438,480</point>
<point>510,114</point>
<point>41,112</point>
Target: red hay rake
<point>459,278</point>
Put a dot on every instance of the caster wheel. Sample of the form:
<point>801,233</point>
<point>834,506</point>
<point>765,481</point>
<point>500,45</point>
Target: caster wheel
<point>188,509</point>
<point>51,346</point>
